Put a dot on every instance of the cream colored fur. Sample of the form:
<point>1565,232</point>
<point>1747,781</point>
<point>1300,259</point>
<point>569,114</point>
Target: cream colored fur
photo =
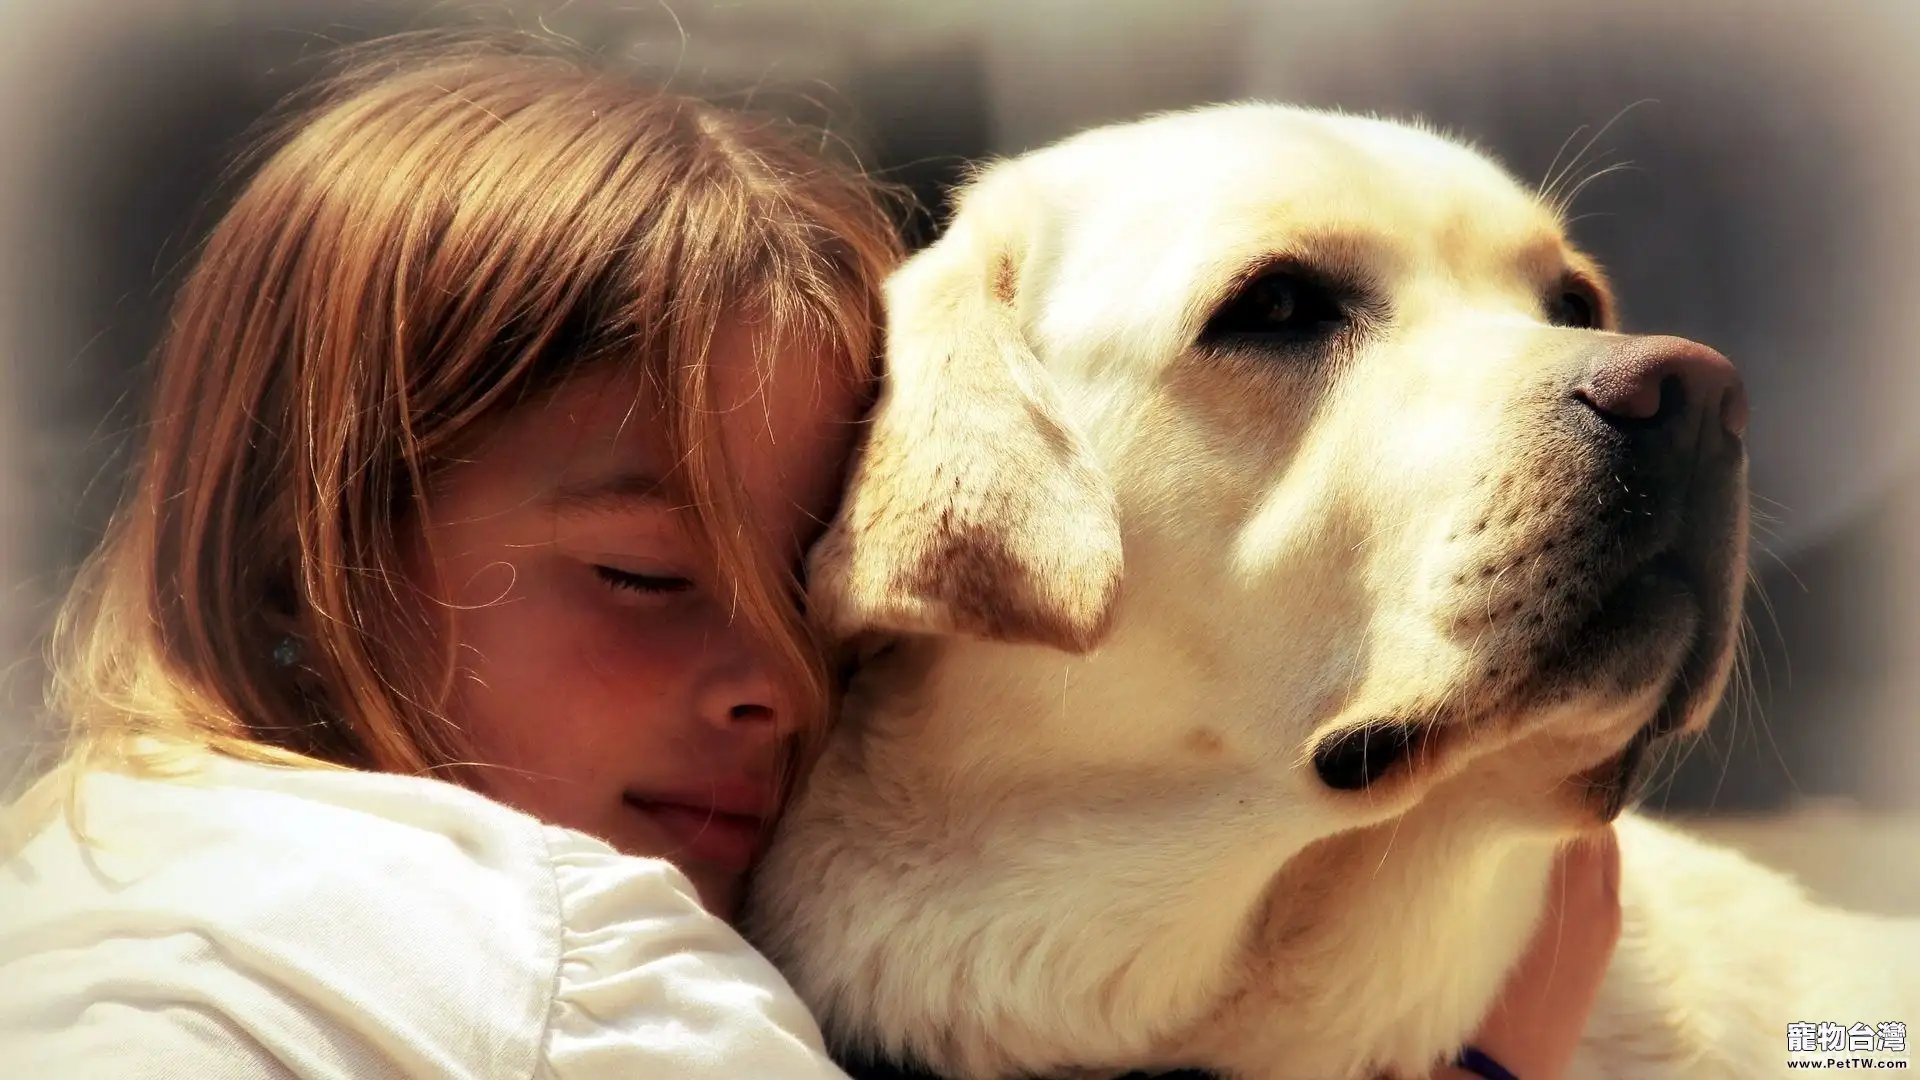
<point>1110,588</point>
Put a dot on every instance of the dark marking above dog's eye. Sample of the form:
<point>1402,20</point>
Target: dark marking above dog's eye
<point>1575,305</point>
<point>1285,307</point>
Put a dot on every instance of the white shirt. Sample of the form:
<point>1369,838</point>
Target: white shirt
<point>260,922</point>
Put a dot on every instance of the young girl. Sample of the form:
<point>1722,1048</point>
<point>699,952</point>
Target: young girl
<point>445,659</point>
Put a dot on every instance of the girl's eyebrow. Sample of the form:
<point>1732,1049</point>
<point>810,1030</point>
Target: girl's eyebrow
<point>615,493</point>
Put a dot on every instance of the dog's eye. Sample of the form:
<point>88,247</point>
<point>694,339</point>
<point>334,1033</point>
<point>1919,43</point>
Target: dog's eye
<point>1282,304</point>
<point>1574,306</point>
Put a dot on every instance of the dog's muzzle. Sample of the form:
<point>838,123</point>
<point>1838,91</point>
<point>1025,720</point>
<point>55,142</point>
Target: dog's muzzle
<point>1632,555</point>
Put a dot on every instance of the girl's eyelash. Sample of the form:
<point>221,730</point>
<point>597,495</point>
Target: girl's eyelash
<point>642,583</point>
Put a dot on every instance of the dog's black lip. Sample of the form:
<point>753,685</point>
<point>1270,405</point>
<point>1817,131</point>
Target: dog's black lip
<point>1355,759</point>
<point>1616,778</point>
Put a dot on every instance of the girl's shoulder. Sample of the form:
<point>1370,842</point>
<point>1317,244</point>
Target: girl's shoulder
<point>343,923</point>
<point>336,924</point>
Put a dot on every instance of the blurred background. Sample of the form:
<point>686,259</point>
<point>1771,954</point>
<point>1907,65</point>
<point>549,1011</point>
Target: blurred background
<point>1765,152</point>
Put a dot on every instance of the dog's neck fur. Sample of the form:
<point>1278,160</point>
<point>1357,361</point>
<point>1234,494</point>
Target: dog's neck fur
<point>936,912</point>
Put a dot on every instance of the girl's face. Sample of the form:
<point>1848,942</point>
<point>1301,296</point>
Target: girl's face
<point>604,682</point>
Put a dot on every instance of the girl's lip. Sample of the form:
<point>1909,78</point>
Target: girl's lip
<point>705,834</point>
<point>733,797</point>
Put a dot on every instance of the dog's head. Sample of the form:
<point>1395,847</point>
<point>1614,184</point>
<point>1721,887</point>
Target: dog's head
<point>1314,437</point>
<point>1245,480</point>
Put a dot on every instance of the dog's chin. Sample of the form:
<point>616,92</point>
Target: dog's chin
<point>1661,641</point>
<point>1666,622</point>
<point>1637,633</point>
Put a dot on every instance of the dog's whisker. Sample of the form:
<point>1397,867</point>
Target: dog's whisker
<point>1563,199</point>
<point>1785,566</point>
<point>1393,834</point>
<point>1766,606</point>
<point>1550,179</point>
<point>1492,588</point>
<point>1591,215</point>
<point>1391,526</point>
<point>1601,133</point>
<point>1574,195</point>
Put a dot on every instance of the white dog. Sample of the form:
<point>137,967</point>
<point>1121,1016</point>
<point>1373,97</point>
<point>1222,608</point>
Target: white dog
<point>1265,555</point>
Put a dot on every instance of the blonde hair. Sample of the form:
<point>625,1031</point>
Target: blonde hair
<point>445,235</point>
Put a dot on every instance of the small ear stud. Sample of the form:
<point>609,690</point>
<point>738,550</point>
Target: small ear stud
<point>287,652</point>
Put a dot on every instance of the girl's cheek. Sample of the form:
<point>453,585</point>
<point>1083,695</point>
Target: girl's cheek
<point>638,640</point>
<point>636,645</point>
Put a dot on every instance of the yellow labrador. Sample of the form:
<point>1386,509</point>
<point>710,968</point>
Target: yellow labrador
<point>1266,553</point>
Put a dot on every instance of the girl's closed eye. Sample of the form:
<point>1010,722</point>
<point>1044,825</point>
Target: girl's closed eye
<point>651,584</point>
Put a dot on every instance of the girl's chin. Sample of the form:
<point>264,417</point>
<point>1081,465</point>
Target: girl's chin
<point>719,886</point>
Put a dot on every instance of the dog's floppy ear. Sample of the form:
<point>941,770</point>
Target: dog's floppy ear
<point>975,507</point>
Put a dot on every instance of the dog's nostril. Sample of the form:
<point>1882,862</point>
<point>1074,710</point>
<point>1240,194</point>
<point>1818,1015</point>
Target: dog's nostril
<point>1672,400</point>
<point>1661,382</point>
<point>1353,760</point>
<point>1649,401</point>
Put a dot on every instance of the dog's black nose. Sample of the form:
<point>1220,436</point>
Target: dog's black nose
<point>1667,385</point>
